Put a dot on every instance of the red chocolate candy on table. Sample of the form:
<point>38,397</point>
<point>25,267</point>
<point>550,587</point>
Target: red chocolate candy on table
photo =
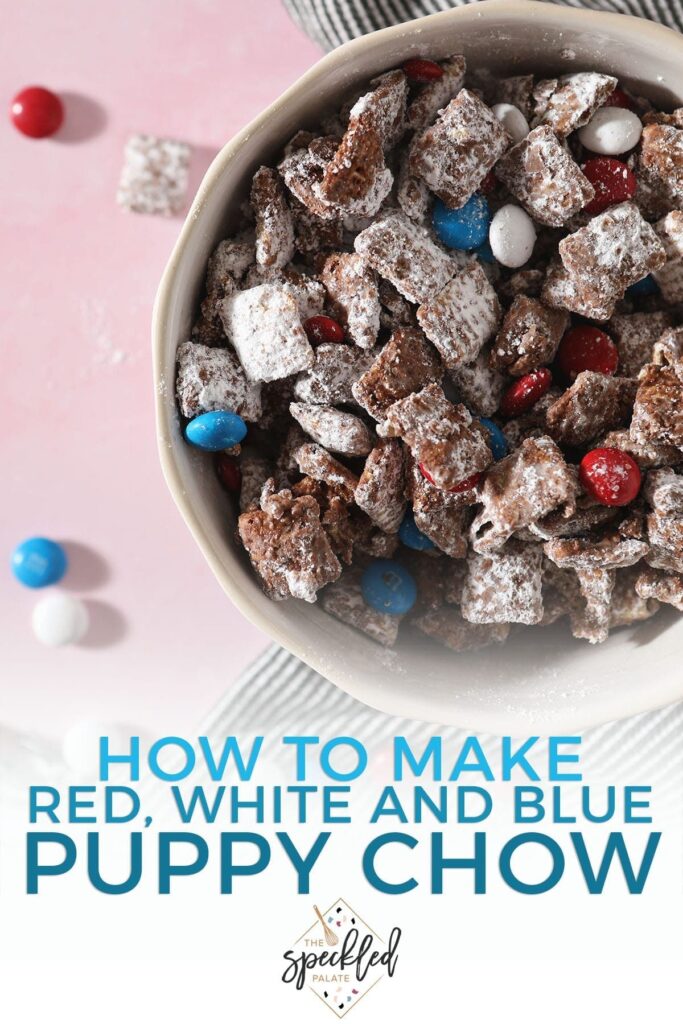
<point>525,392</point>
<point>422,71</point>
<point>229,472</point>
<point>610,476</point>
<point>37,112</point>
<point>320,329</point>
<point>587,348</point>
<point>612,180</point>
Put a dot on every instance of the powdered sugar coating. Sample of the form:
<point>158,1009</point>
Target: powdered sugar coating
<point>635,335</point>
<point>154,176</point>
<point>264,325</point>
<point>575,100</point>
<point>314,461</point>
<point>529,337</point>
<point>442,517</point>
<point>592,405</point>
<point>354,296</point>
<point>461,317</point>
<point>335,370</point>
<point>274,224</point>
<point>479,386</point>
<point>658,406</point>
<point>406,255</point>
<point>504,587</point>
<point>344,600</point>
<point>381,488</point>
<point>332,428</point>
<point>405,365</point>
<point>211,379</point>
<point>437,94</point>
<point>449,627</point>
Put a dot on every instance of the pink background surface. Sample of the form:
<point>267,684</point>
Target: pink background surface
<point>79,275</point>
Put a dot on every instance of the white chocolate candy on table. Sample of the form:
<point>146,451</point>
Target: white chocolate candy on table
<point>60,619</point>
<point>512,236</point>
<point>611,131</point>
<point>513,120</point>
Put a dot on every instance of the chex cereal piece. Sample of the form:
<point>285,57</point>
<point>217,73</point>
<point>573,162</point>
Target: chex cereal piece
<point>317,463</point>
<point>575,101</point>
<point>660,585</point>
<point>274,224</point>
<point>461,317</point>
<point>670,232</point>
<point>520,489</point>
<point>412,193</point>
<point>335,369</point>
<point>155,175</point>
<point>523,282</point>
<point>288,547</point>
<point>608,550</point>
<point>356,179</point>
<point>669,347</point>
<point>658,406</point>
<point>395,310</point>
<point>384,108</point>
<point>264,325</point>
<point>287,467</point>
<point>303,170</point>
<point>583,521</point>
<point>615,249</point>
<point>344,599</point>
<point>443,437</point>
<point>545,178</point>
<point>405,254</point>
<point>593,621</point>
<point>381,488</point>
<point>405,364</point>
<point>456,153</point>
<point>540,96</point>
<point>593,404</point>
<point>516,90</point>
<point>227,266</point>
<point>505,586</point>
<point>436,95</point>
<point>255,470</point>
<point>670,281</point>
<point>354,296</point>
<point>529,337</point>
<point>307,292</point>
<point>665,534</point>
<point>313,235</point>
<point>675,118</point>
<point>628,605</point>
<point>563,291</point>
<point>645,453</point>
<point>336,430</point>
<point>441,516</point>
<point>661,160</point>
<point>211,379</point>
<point>635,335</point>
<point>479,387</point>
<point>663,490</point>
<point>448,626</point>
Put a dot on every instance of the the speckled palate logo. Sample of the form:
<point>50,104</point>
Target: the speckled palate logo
<point>340,957</point>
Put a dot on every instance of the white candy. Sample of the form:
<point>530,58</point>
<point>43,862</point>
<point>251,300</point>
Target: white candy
<point>611,130</point>
<point>60,619</point>
<point>512,236</point>
<point>512,119</point>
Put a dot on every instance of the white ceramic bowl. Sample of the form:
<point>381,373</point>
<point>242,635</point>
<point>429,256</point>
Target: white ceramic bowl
<point>541,681</point>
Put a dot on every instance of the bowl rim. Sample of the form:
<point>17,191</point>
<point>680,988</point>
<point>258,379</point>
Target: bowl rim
<point>553,15</point>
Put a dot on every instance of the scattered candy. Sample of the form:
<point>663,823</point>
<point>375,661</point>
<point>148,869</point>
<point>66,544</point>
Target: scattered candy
<point>587,348</point>
<point>37,112</point>
<point>610,476</point>
<point>422,71</point>
<point>229,472</point>
<point>39,562</point>
<point>60,619</point>
<point>611,131</point>
<point>525,392</point>
<point>646,286</point>
<point>466,228</point>
<point>512,236</point>
<point>467,484</point>
<point>612,180</point>
<point>388,587</point>
<point>485,253</point>
<point>323,329</point>
<point>497,439</point>
<point>413,537</point>
<point>513,119</point>
<point>215,431</point>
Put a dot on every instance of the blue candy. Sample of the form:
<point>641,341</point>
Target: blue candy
<point>497,439</point>
<point>215,431</point>
<point>646,286</point>
<point>388,587</point>
<point>485,253</point>
<point>466,228</point>
<point>39,562</point>
<point>413,537</point>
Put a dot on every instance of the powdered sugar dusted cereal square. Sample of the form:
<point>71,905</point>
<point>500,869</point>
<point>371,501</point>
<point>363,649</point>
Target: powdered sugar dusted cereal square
<point>437,94</point>
<point>405,364</point>
<point>334,372</point>
<point>354,296</point>
<point>155,175</point>
<point>406,255</point>
<point>575,100</point>
<point>264,325</point>
<point>462,317</point>
<point>529,337</point>
<point>381,488</point>
<point>211,379</point>
<point>505,586</point>
<point>274,223</point>
<point>332,428</point>
<point>635,335</point>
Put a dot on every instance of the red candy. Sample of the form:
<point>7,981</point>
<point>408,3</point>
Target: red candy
<point>464,485</point>
<point>229,472</point>
<point>422,71</point>
<point>37,112</point>
<point>610,476</point>
<point>619,99</point>
<point>612,180</point>
<point>525,392</point>
<point>321,329</point>
<point>587,348</point>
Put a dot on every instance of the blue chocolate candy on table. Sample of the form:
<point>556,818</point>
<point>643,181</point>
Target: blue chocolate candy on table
<point>216,431</point>
<point>388,587</point>
<point>39,562</point>
<point>497,439</point>
<point>413,537</point>
<point>466,228</point>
